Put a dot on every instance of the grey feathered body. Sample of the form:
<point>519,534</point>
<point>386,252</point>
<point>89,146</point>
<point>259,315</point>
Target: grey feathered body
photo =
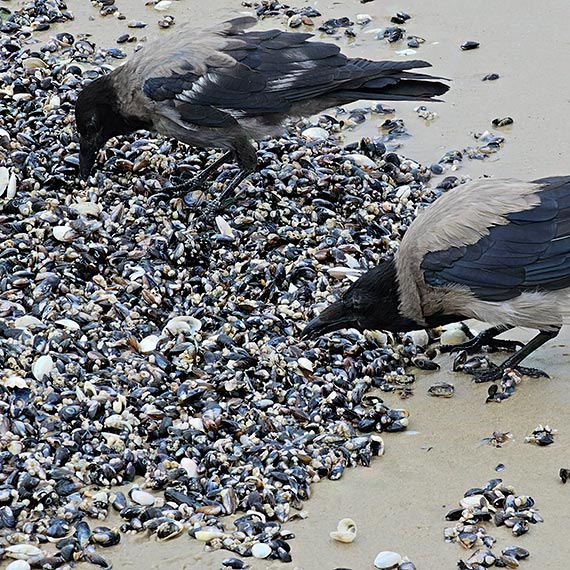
<point>224,86</point>
<point>493,250</point>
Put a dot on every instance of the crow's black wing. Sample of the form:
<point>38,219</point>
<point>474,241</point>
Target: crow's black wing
<point>265,72</point>
<point>531,252</point>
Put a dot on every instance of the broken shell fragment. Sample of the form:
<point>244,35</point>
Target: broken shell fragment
<point>345,531</point>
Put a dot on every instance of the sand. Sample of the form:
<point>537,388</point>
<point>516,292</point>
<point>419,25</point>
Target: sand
<point>399,502</point>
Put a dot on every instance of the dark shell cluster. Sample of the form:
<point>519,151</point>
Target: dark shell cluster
<point>143,346</point>
<point>495,503</point>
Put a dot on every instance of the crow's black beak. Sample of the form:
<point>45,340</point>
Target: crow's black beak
<point>332,318</point>
<point>87,155</point>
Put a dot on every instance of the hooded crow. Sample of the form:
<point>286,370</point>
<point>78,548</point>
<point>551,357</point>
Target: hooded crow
<point>493,250</point>
<point>225,87</point>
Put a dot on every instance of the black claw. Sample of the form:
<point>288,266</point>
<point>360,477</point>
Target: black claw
<point>489,376</point>
<point>476,344</point>
<point>532,372</point>
<point>498,372</point>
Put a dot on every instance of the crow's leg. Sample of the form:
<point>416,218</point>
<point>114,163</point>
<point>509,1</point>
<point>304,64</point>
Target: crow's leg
<point>225,198</point>
<point>485,338</point>
<point>201,177</point>
<point>247,161</point>
<point>496,373</point>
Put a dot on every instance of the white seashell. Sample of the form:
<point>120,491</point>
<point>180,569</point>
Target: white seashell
<point>453,337</point>
<point>15,382</point>
<point>345,531</point>
<point>100,497</point>
<point>260,550</point>
<point>113,440</point>
<point>68,324</point>
<point>344,272</point>
<point>472,501</point>
<point>43,366</point>
<point>11,188</point>
<point>15,447</point>
<point>387,559</point>
<point>205,535</point>
<point>305,364</point>
<point>87,208</point>
<point>137,273</point>
<point>403,192</point>
<point>361,160</point>
<point>378,336</point>
<point>141,497</point>
<point>315,133</point>
<point>148,343</point>
<point>54,102</point>
<point>18,565</point>
<point>420,338</point>
<point>63,233</point>
<point>196,423</point>
<point>4,178</point>
<point>224,228</point>
<point>363,19</point>
<point>162,5</point>
<point>190,466</point>
<point>27,322</point>
<point>4,134</point>
<point>33,63</point>
<point>183,324</point>
<point>22,551</point>
<point>352,262</point>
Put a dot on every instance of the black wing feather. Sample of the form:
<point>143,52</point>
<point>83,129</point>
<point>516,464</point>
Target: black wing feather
<point>531,252</point>
<point>276,69</point>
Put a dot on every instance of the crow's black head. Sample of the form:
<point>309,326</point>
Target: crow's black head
<point>370,303</point>
<point>94,117</point>
<point>98,119</point>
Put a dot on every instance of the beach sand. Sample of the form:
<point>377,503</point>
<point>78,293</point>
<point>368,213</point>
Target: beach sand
<point>399,502</point>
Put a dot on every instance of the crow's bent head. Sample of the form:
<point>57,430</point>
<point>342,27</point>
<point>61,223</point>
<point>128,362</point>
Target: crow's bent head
<point>94,119</point>
<point>98,119</point>
<point>370,303</point>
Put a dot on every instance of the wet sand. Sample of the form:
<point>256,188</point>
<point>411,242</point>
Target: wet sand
<point>399,502</point>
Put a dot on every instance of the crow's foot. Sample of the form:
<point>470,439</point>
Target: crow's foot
<point>497,372</point>
<point>484,341</point>
<point>207,213</point>
<point>182,186</point>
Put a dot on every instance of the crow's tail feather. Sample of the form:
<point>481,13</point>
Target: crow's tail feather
<point>403,90</point>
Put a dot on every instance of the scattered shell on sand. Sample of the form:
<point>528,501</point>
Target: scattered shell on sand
<point>387,559</point>
<point>345,532</point>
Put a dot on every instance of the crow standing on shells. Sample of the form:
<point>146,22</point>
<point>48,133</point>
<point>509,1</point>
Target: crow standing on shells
<point>224,87</point>
<point>493,250</point>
